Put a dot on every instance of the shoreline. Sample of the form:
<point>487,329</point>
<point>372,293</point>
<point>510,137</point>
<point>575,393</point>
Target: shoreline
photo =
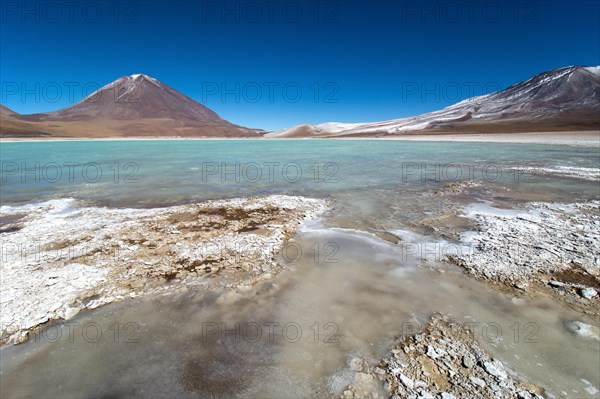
<point>443,359</point>
<point>64,258</point>
<point>569,138</point>
<point>545,250</point>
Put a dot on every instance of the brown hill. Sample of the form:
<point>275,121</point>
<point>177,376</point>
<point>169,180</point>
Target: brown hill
<point>131,106</point>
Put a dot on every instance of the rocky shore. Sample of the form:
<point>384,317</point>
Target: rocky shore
<point>60,257</point>
<point>442,362</point>
<point>548,249</point>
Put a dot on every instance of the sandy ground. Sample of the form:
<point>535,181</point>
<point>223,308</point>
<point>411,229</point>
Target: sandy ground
<point>583,139</point>
<point>571,138</point>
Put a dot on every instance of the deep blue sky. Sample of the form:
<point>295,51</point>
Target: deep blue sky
<point>367,60</point>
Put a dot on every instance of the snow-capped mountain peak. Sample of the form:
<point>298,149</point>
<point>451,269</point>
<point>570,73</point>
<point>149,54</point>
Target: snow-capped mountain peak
<point>135,97</point>
<point>140,76</point>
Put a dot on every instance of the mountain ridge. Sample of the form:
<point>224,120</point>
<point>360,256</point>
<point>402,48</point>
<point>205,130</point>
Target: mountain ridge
<point>546,101</point>
<point>140,106</point>
<point>6,111</point>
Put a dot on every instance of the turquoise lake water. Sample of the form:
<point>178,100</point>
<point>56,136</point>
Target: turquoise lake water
<point>150,173</point>
<point>375,188</point>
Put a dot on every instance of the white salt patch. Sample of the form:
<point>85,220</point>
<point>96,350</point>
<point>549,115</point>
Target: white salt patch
<point>61,206</point>
<point>592,174</point>
<point>410,236</point>
<point>485,209</point>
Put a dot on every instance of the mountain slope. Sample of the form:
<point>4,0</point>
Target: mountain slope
<point>11,125</point>
<point>6,111</point>
<point>137,97</point>
<point>135,105</point>
<point>561,99</point>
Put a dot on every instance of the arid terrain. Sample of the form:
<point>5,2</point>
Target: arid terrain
<point>561,100</point>
<point>131,106</point>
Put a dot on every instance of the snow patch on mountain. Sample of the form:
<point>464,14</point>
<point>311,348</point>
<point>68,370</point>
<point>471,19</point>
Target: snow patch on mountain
<point>595,70</point>
<point>570,93</point>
